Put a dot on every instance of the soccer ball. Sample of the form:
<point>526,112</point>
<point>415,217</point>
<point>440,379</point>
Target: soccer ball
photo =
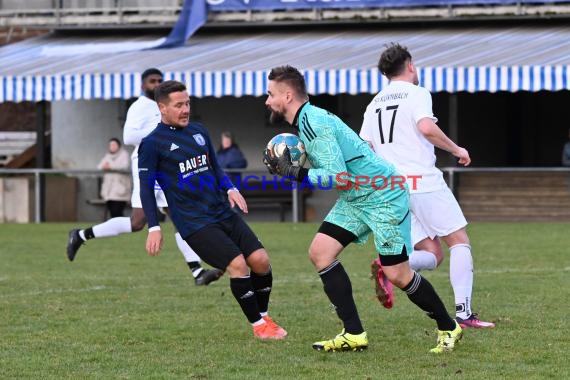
<point>278,143</point>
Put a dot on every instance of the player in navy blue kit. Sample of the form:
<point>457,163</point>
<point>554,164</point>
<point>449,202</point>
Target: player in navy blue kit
<point>142,117</point>
<point>181,157</point>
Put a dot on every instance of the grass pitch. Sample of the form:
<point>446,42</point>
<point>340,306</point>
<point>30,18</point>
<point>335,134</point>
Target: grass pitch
<point>115,313</point>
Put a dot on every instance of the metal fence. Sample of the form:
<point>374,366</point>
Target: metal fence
<point>451,174</point>
<point>49,13</point>
<point>39,184</point>
<point>82,13</point>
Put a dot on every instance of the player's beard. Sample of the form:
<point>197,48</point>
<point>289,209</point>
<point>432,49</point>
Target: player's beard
<point>276,117</point>
<point>149,94</point>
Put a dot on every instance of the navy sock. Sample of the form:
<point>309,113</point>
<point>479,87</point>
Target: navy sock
<point>243,292</point>
<point>262,284</point>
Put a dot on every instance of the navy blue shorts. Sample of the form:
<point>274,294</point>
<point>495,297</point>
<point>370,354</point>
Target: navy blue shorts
<point>219,243</point>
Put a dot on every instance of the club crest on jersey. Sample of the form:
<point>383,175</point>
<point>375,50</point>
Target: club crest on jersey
<point>199,139</point>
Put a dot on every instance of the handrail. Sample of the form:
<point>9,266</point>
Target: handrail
<point>60,171</point>
<point>450,170</point>
<point>38,190</point>
<point>69,15</point>
<point>506,169</point>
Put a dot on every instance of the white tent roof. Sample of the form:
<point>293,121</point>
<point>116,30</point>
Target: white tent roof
<point>486,58</point>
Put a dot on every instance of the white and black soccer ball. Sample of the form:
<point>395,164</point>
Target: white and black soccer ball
<point>296,147</point>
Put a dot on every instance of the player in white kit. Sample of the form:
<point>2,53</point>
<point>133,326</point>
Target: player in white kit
<point>401,128</point>
<point>142,118</point>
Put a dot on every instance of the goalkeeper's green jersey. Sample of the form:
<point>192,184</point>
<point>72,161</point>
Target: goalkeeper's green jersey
<point>338,156</point>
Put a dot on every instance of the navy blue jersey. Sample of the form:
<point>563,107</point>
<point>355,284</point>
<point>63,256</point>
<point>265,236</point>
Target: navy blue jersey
<point>183,162</point>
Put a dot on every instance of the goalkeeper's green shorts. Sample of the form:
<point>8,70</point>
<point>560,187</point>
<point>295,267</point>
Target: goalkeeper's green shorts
<point>390,222</point>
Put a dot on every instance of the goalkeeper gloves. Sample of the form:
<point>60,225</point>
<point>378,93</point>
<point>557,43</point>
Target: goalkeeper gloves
<point>283,165</point>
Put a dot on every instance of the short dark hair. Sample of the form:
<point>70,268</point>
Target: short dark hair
<point>166,88</point>
<point>393,60</point>
<point>115,140</point>
<point>151,71</point>
<point>292,77</point>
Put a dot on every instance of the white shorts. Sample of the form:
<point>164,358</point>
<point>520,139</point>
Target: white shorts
<point>435,214</point>
<point>136,196</point>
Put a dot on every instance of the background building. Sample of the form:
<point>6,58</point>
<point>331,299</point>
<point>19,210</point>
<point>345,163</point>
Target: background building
<point>500,79</point>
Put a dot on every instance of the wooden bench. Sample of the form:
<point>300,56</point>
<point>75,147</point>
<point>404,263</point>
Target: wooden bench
<point>100,202</point>
<point>264,196</point>
<point>14,143</point>
<point>257,195</point>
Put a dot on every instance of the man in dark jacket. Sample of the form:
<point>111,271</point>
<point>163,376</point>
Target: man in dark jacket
<point>231,157</point>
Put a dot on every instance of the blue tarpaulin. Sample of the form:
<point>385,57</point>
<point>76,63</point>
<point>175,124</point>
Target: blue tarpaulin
<point>193,15</point>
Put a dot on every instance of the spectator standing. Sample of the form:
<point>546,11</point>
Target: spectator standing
<point>116,187</point>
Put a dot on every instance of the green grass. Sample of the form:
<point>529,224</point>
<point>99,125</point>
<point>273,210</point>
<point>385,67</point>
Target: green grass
<point>115,313</point>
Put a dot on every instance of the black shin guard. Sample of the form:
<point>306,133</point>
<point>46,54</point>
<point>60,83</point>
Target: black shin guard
<point>242,290</point>
<point>339,290</point>
<point>262,284</point>
<point>422,293</point>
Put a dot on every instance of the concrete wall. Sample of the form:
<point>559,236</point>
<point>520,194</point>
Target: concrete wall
<point>47,4</point>
<point>246,118</point>
<point>28,4</point>
<point>81,131</point>
<point>80,134</point>
<point>500,129</point>
<point>14,200</point>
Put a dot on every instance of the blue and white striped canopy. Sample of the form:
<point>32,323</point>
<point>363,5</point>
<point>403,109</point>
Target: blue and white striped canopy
<point>452,60</point>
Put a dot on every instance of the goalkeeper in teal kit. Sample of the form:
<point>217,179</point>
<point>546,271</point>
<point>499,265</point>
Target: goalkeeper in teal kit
<point>373,198</point>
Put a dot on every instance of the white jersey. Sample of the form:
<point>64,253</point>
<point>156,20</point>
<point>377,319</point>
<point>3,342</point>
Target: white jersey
<point>390,124</point>
<point>142,118</point>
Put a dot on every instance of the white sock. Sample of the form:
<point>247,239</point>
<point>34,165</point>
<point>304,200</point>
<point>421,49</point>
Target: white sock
<point>188,253</point>
<point>461,274</point>
<point>422,260</point>
<point>113,227</point>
